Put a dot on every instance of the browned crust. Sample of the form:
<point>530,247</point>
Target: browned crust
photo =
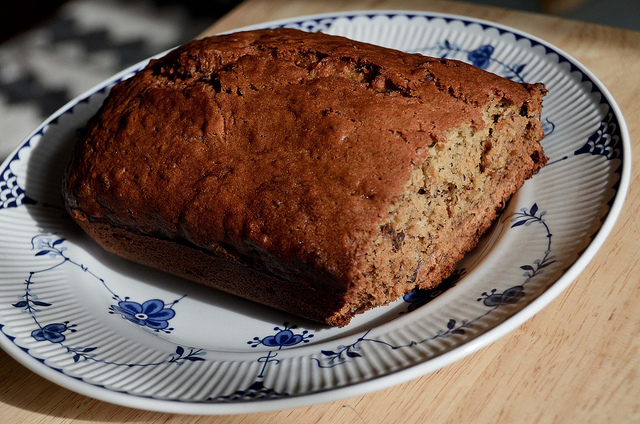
<point>273,155</point>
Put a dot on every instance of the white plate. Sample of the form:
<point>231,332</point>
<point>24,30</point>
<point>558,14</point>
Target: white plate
<point>187,349</point>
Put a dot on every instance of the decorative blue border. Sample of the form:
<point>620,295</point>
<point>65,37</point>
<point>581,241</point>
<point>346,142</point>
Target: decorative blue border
<point>155,314</point>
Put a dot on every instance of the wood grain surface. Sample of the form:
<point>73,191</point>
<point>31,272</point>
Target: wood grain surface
<point>577,361</point>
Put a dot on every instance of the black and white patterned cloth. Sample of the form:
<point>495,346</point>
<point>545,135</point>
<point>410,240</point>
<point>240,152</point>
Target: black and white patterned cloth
<point>83,43</point>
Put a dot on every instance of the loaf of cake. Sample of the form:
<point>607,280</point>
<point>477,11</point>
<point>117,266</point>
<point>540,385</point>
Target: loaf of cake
<point>308,172</point>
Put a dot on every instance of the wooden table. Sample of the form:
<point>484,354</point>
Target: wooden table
<point>576,361</point>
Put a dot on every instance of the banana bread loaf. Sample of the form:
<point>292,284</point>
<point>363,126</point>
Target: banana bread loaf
<point>308,172</point>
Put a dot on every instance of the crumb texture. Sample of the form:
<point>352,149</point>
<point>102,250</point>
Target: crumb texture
<point>344,172</point>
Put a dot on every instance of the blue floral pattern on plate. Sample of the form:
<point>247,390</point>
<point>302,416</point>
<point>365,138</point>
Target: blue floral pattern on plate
<point>151,313</point>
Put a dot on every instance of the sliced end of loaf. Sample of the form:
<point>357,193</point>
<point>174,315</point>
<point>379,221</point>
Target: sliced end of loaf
<point>450,201</point>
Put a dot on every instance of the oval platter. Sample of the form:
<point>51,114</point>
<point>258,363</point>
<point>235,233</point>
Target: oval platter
<point>126,334</point>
